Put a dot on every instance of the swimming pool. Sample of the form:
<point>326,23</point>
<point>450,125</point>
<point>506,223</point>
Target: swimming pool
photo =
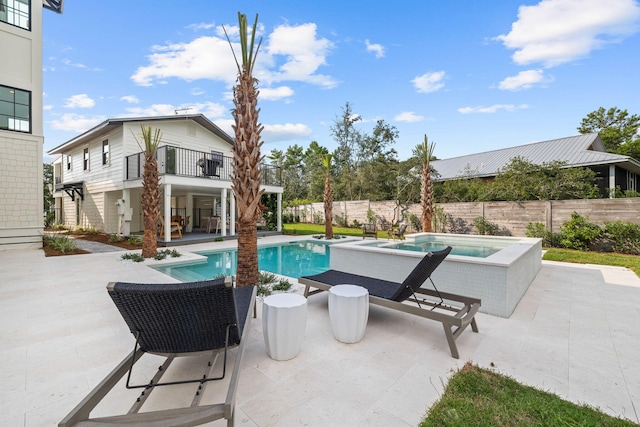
<point>293,259</point>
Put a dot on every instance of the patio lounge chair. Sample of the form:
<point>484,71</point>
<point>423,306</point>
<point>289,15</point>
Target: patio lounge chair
<point>203,319</point>
<point>393,295</point>
<point>369,230</point>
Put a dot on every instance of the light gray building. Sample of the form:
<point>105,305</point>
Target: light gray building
<point>586,150</point>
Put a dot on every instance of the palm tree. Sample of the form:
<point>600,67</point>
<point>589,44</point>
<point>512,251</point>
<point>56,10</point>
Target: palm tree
<point>424,152</point>
<point>150,189</point>
<point>246,177</point>
<point>328,198</point>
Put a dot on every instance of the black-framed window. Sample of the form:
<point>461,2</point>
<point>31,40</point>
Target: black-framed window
<point>16,12</point>
<point>85,156</point>
<point>105,152</point>
<point>69,162</point>
<point>15,109</point>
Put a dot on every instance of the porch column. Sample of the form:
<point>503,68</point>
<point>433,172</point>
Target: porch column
<point>232,207</point>
<point>223,214</point>
<point>612,181</point>
<point>189,213</point>
<point>279,210</point>
<point>127,216</point>
<point>167,212</point>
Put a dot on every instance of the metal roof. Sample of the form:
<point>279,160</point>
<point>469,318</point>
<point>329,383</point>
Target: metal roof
<point>576,151</point>
<point>110,124</point>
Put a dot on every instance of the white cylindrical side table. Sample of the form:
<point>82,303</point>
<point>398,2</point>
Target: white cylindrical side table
<point>284,319</point>
<point>348,312</point>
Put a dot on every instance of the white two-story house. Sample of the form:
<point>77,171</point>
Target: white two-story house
<point>98,176</point>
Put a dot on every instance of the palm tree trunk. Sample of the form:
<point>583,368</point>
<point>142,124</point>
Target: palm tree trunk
<point>151,205</point>
<point>328,208</point>
<point>426,199</point>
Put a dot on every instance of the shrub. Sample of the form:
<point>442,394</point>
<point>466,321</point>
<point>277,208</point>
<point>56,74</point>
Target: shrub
<point>135,257</point>
<point>485,227</point>
<point>372,217</point>
<point>578,233</point>
<point>356,224</point>
<point>415,222</point>
<point>625,236</point>
<point>440,218</point>
<point>538,230</point>
<point>341,220</point>
<point>114,238</point>
<point>457,225</point>
<point>61,243</point>
<point>282,285</point>
<point>135,239</point>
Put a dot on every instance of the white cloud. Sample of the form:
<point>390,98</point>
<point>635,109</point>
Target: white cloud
<point>376,48</point>
<point>201,26</point>
<point>76,122</point>
<point>524,80</point>
<point>554,32</point>
<point>80,101</point>
<point>209,109</point>
<point>47,107</point>
<point>292,53</point>
<point>429,82</point>
<point>273,94</point>
<point>202,58</point>
<point>68,62</point>
<point>492,109</point>
<point>285,132</point>
<point>304,53</point>
<point>131,99</point>
<point>408,116</point>
<point>195,91</point>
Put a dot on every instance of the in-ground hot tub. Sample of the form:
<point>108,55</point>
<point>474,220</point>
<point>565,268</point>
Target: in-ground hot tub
<point>498,270</point>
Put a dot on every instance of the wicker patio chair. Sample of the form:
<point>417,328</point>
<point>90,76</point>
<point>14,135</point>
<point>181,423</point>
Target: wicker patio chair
<point>204,319</point>
<point>369,230</point>
<point>394,295</point>
<point>398,233</point>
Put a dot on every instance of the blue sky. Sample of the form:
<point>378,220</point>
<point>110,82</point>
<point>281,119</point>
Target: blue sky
<point>472,75</point>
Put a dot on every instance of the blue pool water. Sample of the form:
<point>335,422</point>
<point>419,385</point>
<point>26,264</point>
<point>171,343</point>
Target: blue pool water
<point>433,246</point>
<point>293,259</point>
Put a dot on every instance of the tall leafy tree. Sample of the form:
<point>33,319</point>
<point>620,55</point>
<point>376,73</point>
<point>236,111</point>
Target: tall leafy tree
<point>376,162</point>
<point>617,128</point>
<point>314,170</point>
<point>150,189</point>
<point>424,152</point>
<point>348,138</point>
<point>246,177</point>
<point>328,198</point>
<point>48,200</point>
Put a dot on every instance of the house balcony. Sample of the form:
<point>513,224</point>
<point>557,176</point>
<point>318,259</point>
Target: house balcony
<point>198,164</point>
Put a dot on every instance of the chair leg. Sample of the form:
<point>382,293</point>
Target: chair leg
<point>451,340</point>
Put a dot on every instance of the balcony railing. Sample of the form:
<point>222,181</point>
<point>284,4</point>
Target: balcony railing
<point>185,162</point>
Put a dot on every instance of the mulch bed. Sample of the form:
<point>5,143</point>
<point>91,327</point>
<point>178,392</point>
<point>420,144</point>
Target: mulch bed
<point>94,237</point>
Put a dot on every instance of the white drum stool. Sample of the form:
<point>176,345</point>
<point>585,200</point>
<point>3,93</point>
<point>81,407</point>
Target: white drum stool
<point>348,312</point>
<point>284,319</point>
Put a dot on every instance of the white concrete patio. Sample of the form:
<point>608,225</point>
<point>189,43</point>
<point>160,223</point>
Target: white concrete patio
<point>576,333</point>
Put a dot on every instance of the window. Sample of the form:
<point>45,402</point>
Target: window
<point>16,12</point>
<point>15,109</point>
<point>631,181</point>
<point>86,159</point>
<point>105,152</point>
<point>69,163</point>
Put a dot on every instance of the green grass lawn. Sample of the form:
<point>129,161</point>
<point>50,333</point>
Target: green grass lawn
<point>480,397</point>
<point>632,262</point>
